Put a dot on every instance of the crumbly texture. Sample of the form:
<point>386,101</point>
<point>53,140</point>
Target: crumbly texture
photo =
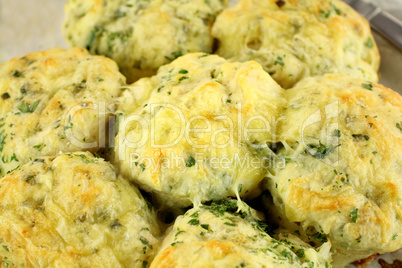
<point>221,235</point>
<point>194,132</point>
<point>298,38</point>
<point>141,35</point>
<point>342,140</point>
<point>52,101</point>
<point>74,211</point>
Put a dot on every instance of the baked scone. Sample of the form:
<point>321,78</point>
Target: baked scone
<point>222,235</point>
<point>298,38</point>
<point>52,101</point>
<point>342,141</point>
<point>141,35</point>
<point>194,132</point>
<point>74,211</point>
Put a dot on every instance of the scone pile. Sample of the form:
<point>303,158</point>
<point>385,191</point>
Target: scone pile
<point>280,151</point>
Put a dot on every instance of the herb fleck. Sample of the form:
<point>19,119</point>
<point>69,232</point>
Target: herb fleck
<point>2,140</point>
<point>39,147</point>
<point>353,215</point>
<point>337,133</point>
<point>368,86</point>
<point>240,188</point>
<point>319,237</point>
<point>326,13</point>
<point>144,241</point>
<point>27,108</point>
<point>369,43</point>
<point>195,214</point>
<point>190,162</point>
<point>174,55</point>
<point>218,208</point>
<point>91,39</point>
<point>14,157</point>
<point>5,96</point>
<point>399,125</point>
<point>322,151</point>
<point>17,73</point>
<point>84,158</point>
<point>279,61</point>
<point>337,10</point>
<point>115,224</point>
<point>361,136</point>
<point>285,253</point>
<point>300,253</point>
<point>142,166</point>
<point>159,88</point>
<point>183,78</point>
<point>194,222</point>
<point>70,124</point>
<point>175,243</point>
<point>205,226</point>
<point>144,264</point>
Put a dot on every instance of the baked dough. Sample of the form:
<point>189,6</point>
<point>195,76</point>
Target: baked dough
<point>221,235</point>
<point>141,35</point>
<point>294,39</point>
<point>342,141</point>
<point>74,211</point>
<point>194,132</point>
<point>52,101</point>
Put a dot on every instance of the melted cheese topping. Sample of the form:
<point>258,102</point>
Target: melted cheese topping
<point>298,39</point>
<point>220,235</point>
<point>342,139</point>
<point>198,135</point>
<point>141,35</point>
<point>74,211</point>
<point>52,101</point>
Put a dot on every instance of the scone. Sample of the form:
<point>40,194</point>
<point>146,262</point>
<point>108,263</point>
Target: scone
<point>223,235</point>
<point>196,130</point>
<point>298,38</point>
<point>74,211</point>
<point>342,141</point>
<point>141,35</point>
<point>52,101</point>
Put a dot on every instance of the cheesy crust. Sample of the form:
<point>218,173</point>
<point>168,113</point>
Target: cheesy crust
<point>141,35</point>
<point>342,138</point>
<point>298,39</point>
<point>222,235</point>
<point>74,211</point>
<point>55,100</point>
<point>194,132</point>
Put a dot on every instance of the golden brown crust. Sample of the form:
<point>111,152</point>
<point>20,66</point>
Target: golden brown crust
<point>142,35</point>
<point>298,39</point>
<point>54,101</point>
<point>74,211</point>
<point>225,102</point>
<point>223,235</point>
<point>343,141</point>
